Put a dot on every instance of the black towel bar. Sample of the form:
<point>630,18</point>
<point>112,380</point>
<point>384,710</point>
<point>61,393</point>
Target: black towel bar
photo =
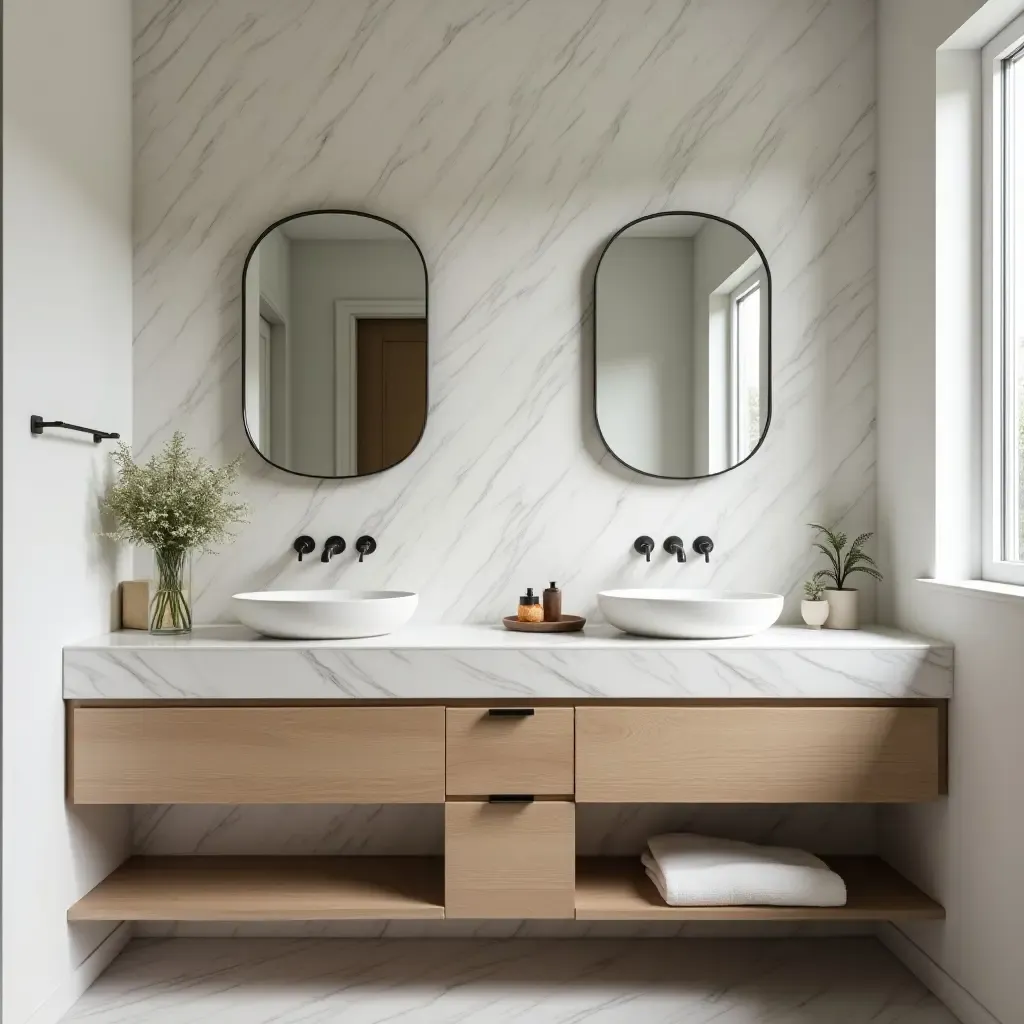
<point>37,424</point>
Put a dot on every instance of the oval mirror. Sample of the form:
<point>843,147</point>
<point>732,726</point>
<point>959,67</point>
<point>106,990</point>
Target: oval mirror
<point>334,356</point>
<point>682,345</point>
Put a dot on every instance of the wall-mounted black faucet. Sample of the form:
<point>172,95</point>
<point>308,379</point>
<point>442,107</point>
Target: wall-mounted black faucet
<point>644,546</point>
<point>675,546</point>
<point>365,546</point>
<point>333,546</point>
<point>304,545</point>
<point>704,546</point>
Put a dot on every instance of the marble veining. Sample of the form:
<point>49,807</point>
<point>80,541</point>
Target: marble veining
<point>466,662</point>
<point>511,139</point>
<point>315,981</point>
<point>418,830</point>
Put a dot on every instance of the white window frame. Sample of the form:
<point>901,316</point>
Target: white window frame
<point>997,387</point>
<point>740,292</point>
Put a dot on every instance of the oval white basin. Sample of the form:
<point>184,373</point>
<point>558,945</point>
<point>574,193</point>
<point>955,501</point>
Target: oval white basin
<point>324,614</point>
<point>690,614</point>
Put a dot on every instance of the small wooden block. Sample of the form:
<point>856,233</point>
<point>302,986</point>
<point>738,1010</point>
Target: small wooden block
<point>135,604</point>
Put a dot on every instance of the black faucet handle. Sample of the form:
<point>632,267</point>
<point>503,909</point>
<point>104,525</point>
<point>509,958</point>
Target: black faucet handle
<point>644,546</point>
<point>304,545</point>
<point>334,545</point>
<point>675,546</point>
<point>704,546</point>
<point>366,545</point>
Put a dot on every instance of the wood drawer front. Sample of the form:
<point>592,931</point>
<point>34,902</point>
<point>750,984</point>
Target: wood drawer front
<point>487,753</point>
<point>257,755</point>
<point>510,860</point>
<point>758,754</point>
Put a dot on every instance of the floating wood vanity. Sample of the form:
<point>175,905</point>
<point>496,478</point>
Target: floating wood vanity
<point>509,769</point>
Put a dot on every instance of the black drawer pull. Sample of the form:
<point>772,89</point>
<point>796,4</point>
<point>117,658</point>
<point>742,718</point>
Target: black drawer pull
<point>510,798</point>
<point>510,712</point>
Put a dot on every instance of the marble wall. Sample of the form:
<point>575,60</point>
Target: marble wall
<point>511,137</point>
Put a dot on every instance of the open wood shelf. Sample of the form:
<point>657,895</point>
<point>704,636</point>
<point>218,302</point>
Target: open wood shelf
<point>618,889</point>
<point>412,888</point>
<point>267,889</point>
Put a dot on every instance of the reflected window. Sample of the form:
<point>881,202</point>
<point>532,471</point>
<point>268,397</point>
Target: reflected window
<point>745,358</point>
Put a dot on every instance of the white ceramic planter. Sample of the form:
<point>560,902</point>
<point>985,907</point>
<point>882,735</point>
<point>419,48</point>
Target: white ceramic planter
<point>814,612</point>
<point>842,609</point>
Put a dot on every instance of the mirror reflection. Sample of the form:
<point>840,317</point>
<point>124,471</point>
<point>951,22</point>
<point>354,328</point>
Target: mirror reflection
<point>682,339</point>
<point>335,344</point>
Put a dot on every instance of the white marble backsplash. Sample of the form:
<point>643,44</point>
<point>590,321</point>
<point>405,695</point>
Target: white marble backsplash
<point>418,830</point>
<point>511,138</point>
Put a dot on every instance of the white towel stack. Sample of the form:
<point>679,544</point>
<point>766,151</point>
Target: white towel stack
<point>699,871</point>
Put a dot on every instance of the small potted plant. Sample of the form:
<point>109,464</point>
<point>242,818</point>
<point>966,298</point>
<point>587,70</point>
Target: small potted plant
<point>813,608</point>
<point>843,563</point>
<point>175,504</point>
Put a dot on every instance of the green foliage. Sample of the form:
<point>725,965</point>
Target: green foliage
<point>175,501</point>
<point>813,589</point>
<point>842,566</point>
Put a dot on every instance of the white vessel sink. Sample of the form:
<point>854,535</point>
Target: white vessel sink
<point>690,614</point>
<point>324,614</point>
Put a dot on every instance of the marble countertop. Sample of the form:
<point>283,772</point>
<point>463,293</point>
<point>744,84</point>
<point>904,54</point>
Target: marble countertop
<point>477,637</point>
<point>489,662</point>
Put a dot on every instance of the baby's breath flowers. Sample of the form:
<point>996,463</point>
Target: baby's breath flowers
<point>175,503</point>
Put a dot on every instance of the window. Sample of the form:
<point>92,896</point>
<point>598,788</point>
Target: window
<point>745,356</point>
<point>1003,308</point>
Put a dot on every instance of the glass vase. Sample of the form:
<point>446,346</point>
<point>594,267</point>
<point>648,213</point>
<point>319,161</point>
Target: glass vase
<point>170,609</point>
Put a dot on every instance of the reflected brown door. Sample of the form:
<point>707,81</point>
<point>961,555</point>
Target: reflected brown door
<point>391,391</point>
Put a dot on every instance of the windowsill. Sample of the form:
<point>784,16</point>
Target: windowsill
<point>980,588</point>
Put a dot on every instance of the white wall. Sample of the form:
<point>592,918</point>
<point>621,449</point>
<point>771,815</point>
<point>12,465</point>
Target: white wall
<point>67,355</point>
<point>967,850</point>
<point>533,133</point>
<point>322,272</point>
<point>644,358</point>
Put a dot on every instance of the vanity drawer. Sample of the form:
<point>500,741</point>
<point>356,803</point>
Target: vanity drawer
<point>759,754</point>
<point>250,755</point>
<point>509,750</point>
<point>513,860</point>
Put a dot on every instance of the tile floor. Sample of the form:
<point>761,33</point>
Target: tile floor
<point>597,981</point>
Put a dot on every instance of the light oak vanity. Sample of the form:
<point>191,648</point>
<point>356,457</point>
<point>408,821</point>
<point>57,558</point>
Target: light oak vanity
<point>866,724</point>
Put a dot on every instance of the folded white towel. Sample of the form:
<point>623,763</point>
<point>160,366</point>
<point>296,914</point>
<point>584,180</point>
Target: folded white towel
<point>700,871</point>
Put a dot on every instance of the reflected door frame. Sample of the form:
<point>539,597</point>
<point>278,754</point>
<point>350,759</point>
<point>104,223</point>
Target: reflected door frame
<point>280,396</point>
<point>347,314</point>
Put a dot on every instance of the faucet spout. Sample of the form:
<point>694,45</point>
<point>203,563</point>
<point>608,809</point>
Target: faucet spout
<point>675,546</point>
<point>333,546</point>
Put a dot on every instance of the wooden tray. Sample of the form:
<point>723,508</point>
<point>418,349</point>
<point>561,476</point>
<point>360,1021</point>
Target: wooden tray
<point>566,624</point>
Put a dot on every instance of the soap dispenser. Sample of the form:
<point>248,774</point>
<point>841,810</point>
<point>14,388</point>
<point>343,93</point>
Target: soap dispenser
<point>530,609</point>
<point>552,603</point>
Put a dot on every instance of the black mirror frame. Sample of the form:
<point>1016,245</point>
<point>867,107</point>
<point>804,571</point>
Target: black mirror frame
<point>426,313</point>
<point>768,275</point>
